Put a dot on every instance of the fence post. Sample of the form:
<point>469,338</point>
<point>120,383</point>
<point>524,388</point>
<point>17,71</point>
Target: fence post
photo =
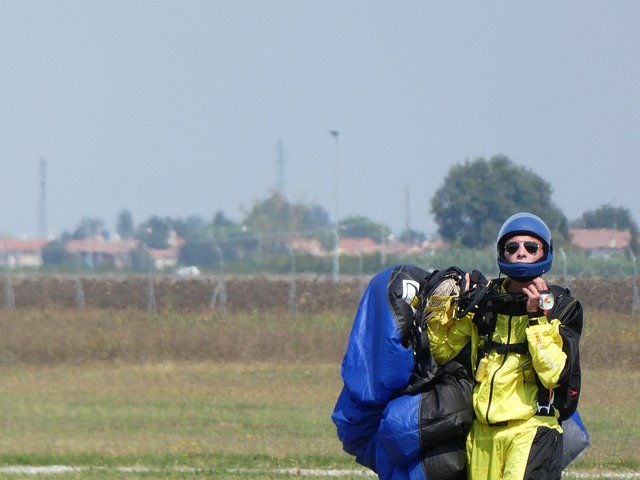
<point>634,291</point>
<point>151,294</point>
<point>293,295</point>
<point>9,298</point>
<point>79,295</point>
<point>220,289</point>
<point>362,283</point>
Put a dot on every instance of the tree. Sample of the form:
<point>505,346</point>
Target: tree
<point>362,227</point>
<point>89,227</point>
<point>220,220</point>
<point>125,226</point>
<point>141,260</point>
<point>55,253</point>
<point>199,252</point>
<point>479,195</point>
<point>608,216</point>
<point>191,228</point>
<point>412,236</point>
<point>155,232</point>
<point>276,219</point>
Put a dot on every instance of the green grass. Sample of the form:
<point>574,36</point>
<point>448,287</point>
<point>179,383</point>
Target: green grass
<point>609,407</point>
<point>224,418</point>
<point>199,415</point>
<point>245,412</point>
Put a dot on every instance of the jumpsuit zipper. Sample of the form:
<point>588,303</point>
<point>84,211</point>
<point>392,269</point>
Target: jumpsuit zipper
<point>495,373</point>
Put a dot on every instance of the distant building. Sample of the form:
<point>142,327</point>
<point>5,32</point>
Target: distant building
<point>307,246</point>
<point>358,246</point>
<point>354,246</point>
<point>164,258</point>
<point>600,242</point>
<point>96,251</point>
<point>17,253</point>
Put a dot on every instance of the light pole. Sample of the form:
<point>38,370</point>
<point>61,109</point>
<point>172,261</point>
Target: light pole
<point>336,234</point>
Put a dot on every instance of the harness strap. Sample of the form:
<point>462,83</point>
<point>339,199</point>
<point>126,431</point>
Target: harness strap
<point>545,401</point>
<point>504,348</point>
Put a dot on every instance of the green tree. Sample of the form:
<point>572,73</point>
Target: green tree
<point>478,196</point>
<point>89,227</point>
<point>220,220</point>
<point>199,252</point>
<point>235,241</point>
<point>190,228</point>
<point>608,216</point>
<point>55,253</point>
<point>155,232</point>
<point>125,226</point>
<point>141,260</point>
<point>412,236</point>
<point>275,219</point>
<point>362,227</point>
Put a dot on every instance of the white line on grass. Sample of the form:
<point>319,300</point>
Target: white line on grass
<point>299,472</point>
<point>289,472</point>
<point>26,470</point>
<point>595,476</point>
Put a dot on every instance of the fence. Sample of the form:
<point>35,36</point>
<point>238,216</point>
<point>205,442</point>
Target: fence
<point>293,292</point>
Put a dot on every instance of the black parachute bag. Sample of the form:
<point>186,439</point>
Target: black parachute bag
<point>445,282</point>
<point>569,311</point>
<point>446,410</point>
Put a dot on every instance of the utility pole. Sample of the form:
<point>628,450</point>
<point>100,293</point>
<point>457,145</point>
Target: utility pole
<point>336,234</point>
<point>280,165</point>
<point>43,199</point>
<point>407,210</point>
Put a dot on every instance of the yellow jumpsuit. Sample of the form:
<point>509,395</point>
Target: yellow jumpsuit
<point>509,438</point>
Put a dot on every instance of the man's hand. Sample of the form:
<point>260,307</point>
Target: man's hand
<point>533,290</point>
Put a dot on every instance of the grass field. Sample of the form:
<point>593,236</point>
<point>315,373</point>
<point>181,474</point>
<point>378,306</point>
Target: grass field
<point>204,415</point>
<point>129,395</point>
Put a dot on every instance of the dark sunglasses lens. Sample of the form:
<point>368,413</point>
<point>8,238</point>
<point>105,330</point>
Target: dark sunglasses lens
<point>531,247</point>
<point>511,247</point>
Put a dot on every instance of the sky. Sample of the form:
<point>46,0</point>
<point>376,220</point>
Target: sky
<point>178,108</point>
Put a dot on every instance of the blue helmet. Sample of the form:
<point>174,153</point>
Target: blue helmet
<point>525,223</point>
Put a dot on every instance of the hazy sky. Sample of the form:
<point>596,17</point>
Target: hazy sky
<point>174,108</point>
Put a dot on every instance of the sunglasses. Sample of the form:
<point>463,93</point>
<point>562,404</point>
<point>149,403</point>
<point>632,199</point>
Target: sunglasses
<point>530,246</point>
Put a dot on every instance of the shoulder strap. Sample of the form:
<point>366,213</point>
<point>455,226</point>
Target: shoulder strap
<point>566,308</point>
<point>490,306</point>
